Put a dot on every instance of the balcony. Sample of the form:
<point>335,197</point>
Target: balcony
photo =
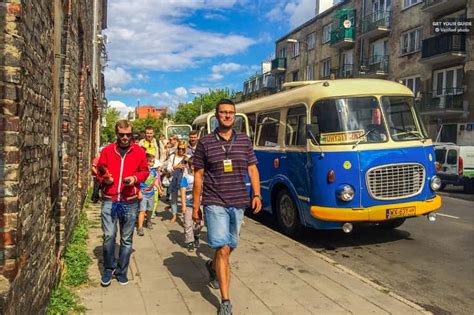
<point>446,103</point>
<point>448,47</point>
<point>374,66</point>
<point>343,38</point>
<point>376,24</point>
<point>439,7</point>
<point>278,65</point>
<point>258,84</point>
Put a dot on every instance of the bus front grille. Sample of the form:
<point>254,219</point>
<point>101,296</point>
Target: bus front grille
<point>395,181</point>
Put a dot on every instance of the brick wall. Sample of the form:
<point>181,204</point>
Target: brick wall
<point>37,212</point>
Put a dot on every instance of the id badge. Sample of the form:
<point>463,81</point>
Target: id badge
<point>227,166</point>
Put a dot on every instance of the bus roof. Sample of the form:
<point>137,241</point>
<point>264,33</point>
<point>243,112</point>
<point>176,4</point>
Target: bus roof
<point>310,91</point>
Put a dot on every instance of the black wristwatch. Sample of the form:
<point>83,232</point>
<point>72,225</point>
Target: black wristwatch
<point>257,196</point>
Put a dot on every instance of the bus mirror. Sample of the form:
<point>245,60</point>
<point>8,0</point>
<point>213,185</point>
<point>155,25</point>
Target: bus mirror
<point>312,131</point>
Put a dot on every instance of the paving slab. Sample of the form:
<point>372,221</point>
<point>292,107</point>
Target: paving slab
<point>271,274</point>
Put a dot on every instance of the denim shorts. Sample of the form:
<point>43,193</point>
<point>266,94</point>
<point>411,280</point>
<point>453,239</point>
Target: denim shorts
<point>147,203</point>
<point>223,225</point>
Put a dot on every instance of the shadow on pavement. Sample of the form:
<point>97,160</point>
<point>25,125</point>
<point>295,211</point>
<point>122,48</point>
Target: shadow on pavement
<point>195,281</point>
<point>363,234</point>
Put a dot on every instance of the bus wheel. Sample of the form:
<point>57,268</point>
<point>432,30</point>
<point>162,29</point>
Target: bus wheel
<point>392,224</point>
<point>287,214</point>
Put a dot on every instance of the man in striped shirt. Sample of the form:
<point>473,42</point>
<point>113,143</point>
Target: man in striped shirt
<point>221,160</point>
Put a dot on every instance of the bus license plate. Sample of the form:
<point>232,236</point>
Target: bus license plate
<point>400,212</point>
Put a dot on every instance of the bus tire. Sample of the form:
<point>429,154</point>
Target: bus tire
<point>391,224</point>
<point>287,214</point>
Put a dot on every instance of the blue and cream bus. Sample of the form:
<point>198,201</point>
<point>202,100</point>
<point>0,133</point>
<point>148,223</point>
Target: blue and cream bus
<point>338,152</point>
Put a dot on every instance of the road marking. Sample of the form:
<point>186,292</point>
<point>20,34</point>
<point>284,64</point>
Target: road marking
<point>447,215</point>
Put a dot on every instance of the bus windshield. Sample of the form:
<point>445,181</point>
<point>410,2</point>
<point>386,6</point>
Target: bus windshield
<point>348,120</point>
<point>402,120</point>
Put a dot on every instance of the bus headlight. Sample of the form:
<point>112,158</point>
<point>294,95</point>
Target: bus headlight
<point>435,183</point>
<point>345,192</point>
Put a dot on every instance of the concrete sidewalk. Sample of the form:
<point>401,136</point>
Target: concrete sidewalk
<point>271,274</point>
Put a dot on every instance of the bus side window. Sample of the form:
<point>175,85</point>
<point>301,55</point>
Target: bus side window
<point>296,126</point>
<point>252,119</point>
<point>267,129</point>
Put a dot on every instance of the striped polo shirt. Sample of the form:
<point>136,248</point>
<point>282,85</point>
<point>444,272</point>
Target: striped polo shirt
<point>224,189</point>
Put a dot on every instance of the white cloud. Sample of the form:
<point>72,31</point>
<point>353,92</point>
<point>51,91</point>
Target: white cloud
<point>296,12</point>
<point>121,107</point>
<point>152,38</point>
<point>115,77</point>
<point>216,77</point>
<point>226,67</point>
<point>127,92</point>
<point>181,91</point>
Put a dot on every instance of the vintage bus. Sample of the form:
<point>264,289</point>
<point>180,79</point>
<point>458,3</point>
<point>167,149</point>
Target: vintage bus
<point>338,152</point>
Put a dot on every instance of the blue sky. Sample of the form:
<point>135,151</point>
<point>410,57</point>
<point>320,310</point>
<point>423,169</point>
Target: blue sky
<point>162,50</point>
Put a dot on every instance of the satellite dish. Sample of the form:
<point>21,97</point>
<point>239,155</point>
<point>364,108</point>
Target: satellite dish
<point>347,24</point>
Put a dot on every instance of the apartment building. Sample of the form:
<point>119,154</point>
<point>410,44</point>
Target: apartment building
<point>388,40</point>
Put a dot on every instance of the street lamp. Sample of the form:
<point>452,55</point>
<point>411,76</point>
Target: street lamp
<point>200,95</point>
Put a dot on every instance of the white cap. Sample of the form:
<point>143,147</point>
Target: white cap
<point>157,163</point>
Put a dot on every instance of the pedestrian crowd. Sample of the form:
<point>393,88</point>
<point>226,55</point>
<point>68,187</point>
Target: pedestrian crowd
<point>203,180</point>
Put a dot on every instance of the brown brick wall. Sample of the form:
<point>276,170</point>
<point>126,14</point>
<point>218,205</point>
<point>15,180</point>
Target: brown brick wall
<point>33,227</point>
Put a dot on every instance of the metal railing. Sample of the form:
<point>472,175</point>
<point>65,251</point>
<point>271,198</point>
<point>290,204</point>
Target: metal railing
<point>443,43</point>
<point>374,64</point>
<point>442,99</point>
<point>343,34</point>
<point>346,70</point>
<point>376,20</point>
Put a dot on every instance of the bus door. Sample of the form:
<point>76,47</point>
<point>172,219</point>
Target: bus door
<point>295,162</point>
<point>182,131</point>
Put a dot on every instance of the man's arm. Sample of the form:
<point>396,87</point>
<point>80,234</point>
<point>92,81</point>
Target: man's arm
<point>255,183</point>
<point>197,191</point>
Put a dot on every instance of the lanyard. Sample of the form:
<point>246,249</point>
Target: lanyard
<point>226,151</point>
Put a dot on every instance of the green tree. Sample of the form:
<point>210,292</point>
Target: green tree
<point>108,132</point>
<point>139,125</point>
<point>187,112</point>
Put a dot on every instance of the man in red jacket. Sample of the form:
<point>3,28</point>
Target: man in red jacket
<point>122,167</point>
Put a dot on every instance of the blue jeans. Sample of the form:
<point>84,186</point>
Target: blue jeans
<point>109,228</point>
<point>223,225</point>
<point>174,203</point>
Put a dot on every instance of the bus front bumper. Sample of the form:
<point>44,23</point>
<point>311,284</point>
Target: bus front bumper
<point>377,213</point>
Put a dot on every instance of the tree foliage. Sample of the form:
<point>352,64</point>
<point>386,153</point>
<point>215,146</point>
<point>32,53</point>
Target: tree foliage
<point>108,131</point>
<point>187,112</point>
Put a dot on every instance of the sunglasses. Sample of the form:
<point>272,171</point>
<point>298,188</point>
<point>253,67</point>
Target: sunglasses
<point>225,113</point>
<point>121,135</point>
<point>181,148</point>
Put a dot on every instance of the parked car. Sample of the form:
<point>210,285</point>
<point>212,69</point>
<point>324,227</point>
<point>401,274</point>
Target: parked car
<point>456,165</point>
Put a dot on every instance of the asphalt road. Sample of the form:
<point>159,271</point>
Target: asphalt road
<point>430,263</point>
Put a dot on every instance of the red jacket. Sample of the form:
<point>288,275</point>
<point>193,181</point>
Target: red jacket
<point>133,163</point>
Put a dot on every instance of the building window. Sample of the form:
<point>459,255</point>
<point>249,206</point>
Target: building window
<point>327,33</point>
<point>267,129</point>
<point>409,3</point>
<point>326,68</point>
<point>411,41</point>
<point>295,76</point>
<point>282,53</point>
<point>311,40</point>
<point>296,49</point>
<point>448,81</point>
<point>413,83</point>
